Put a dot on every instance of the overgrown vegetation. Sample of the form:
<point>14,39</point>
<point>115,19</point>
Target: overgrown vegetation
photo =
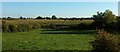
<point>27,25</point>
<point>59,30</point>
<point>106,20</point>
<point>105,42</point>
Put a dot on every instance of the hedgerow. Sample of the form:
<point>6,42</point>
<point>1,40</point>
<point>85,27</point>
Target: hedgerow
<point>27,25</point>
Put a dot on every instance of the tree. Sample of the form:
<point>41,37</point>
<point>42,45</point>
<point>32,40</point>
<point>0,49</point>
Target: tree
<point>118,25</point>
<point>54,17</point>
<point>47,17</point>
<point>39,17</point>
<point>21,17</point>
<point>8,17</point>
<point>106,20</point>
<point>110,21</point>
<point>110,17</point>
<point>99,20</point>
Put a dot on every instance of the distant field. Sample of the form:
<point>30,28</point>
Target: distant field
<point>49,21</point>
<point>48,40</point>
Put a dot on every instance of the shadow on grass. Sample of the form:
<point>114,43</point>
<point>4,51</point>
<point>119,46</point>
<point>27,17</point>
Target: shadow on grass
<point>68,32</point>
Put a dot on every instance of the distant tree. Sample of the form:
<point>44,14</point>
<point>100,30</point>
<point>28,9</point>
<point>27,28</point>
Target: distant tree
<point>8,17</point>
<point>24,18</point>
<point>4,18</point>
<point>39,17</point>
<point>54,17</point>
<point>21,17</point>
<point>47,17</point>
<point>61,18</point>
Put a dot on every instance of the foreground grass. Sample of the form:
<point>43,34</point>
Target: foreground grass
<point>48,40</point>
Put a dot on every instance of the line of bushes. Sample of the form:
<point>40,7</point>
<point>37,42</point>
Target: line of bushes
<point>21,27</point>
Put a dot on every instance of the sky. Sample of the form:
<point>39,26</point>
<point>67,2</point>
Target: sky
<point>60,9</point>
<point>59,0</point>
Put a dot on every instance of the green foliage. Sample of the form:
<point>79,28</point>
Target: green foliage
<point>24,27</point>
<point>12,28</point>
<point>109,17</point>
<point>27,25</point>
<point>39,17</point>
<point>36,26</point>
<point>8,27</point>
<point>5,28</point>
<point>105,42</point>
<point>54,17</point>
<point>105,20</point>
<point>118,25</point>
<point>106,17</point>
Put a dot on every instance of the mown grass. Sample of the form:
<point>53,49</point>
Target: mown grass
<point>48,40</point>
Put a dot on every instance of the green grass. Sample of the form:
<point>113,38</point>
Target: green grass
<point>48,40</point>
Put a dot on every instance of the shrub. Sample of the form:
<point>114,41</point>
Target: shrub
<point>45,26</point>
<point>36,26</point>
<point>12,28</point>
<point>105,42</point>
<point>5,27</point>
<point>24,27</point>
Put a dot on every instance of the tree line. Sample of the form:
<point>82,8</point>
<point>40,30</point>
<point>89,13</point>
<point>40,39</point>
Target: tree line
<point>52,17</point>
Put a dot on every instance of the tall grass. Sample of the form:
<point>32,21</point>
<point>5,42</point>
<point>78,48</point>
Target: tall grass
<point>27,25</point>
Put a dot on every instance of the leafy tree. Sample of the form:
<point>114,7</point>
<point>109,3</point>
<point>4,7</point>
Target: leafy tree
<point>21,17</point>
<point>106,20</point>
<point>110,21</point>
<point>99,20</point>
<point>54,17</point>
<point>47,17</point>
<point>39,17</point>
<point>109,17</point>
<point>8,17</point>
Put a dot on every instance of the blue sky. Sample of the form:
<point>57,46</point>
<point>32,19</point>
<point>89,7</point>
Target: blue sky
<point>60,9</point>
<point>60,0</point>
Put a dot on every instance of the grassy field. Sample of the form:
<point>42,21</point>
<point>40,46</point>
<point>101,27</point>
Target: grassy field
<point>48,40</point>
<point>44,38</point>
